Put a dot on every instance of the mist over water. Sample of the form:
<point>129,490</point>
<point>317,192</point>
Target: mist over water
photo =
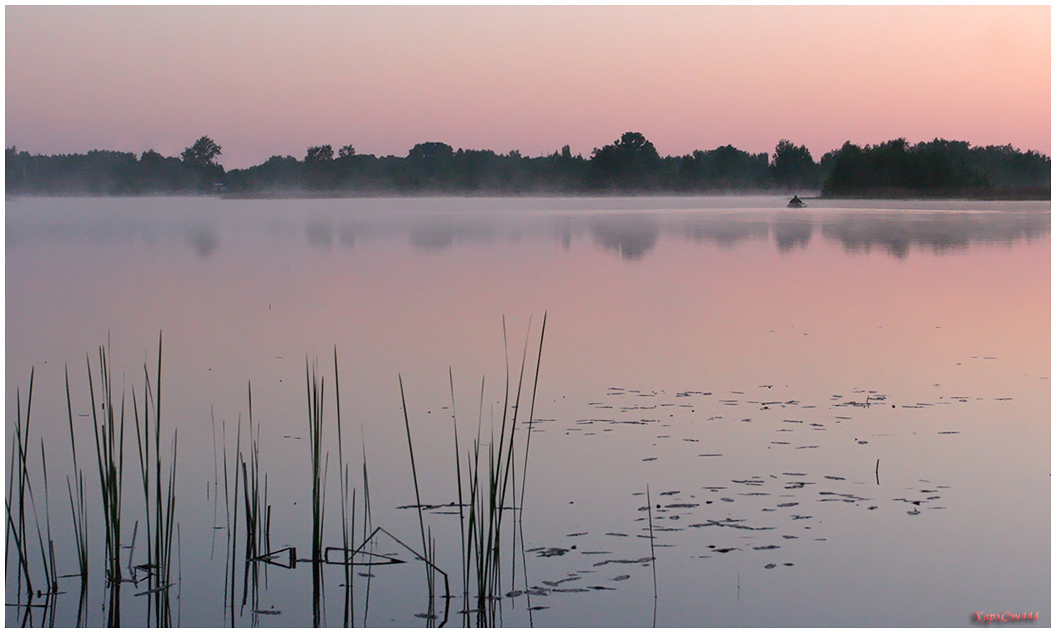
<point>626,225</point>
<point>820,401</point>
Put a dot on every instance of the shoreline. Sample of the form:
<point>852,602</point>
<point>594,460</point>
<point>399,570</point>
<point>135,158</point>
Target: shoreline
<point>339,195</point>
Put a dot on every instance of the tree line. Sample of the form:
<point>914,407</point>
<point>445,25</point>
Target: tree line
<point>631,164</point>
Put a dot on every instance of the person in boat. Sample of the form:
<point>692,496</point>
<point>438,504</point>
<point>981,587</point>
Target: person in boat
<point>796,202</point>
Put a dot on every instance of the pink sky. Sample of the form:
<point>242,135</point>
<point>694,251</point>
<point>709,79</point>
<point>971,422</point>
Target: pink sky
<point>274,80</point>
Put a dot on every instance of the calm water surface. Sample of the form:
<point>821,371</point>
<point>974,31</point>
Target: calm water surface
<point>841,414</point>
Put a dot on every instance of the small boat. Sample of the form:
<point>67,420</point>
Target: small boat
<point>796,203</point>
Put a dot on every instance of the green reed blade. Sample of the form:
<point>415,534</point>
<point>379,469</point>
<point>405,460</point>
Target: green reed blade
<point>414,474</point>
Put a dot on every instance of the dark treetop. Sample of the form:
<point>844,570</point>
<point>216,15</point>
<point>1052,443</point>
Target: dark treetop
<point>631,164</point>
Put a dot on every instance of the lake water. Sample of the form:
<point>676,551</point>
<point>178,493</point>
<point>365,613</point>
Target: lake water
<point>840,415</point>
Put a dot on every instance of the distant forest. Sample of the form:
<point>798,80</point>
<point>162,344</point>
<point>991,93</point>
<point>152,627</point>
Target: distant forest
<point>937,169</point>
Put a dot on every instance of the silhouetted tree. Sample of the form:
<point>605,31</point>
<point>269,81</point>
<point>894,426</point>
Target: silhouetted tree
<point>631,163</point>
<point>319,154</point>
<point>895,168</point>
<point>320,173</point>
<point>793,167</point>
<point>429,166</point>
<point>431,153</point>
<point>202,153</point>
<point>16,169</point>
<point>161,174</point>
<point>278,173</point>
<point>202,166</point>
<point>826,163</point>
<point>724,169</point>
<point>1013,172</point>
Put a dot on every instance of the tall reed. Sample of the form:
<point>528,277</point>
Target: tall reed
<point>78,505</point>
<point>215,484</point>
<point>488,483</point>
<point>109,432</point>
<point>316,389</point>
<point>19,487</point>
<point>461,504</point>
<point>531,410</point>
<point>231,512</point>
<point>652,548</point>
<point>417,493</point>
<point>348,507</point>
<point>368,526</point>
<point>159,489</point>
<point>20,490</point>
<point>47,552</point>
<point>255,495</point>
<point>316,386</point>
